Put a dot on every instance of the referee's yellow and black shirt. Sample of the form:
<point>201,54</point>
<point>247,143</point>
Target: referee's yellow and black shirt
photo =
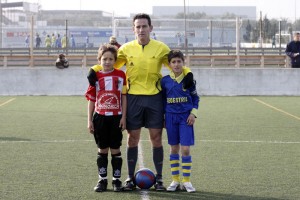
<point>143,65</point>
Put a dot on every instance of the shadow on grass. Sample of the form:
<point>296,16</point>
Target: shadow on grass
<point>201,195</point>
<point>13,139</point>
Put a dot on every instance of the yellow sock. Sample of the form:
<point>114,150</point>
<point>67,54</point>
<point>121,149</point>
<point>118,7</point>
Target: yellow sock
<point>186,168</point>
<point>174,162</point>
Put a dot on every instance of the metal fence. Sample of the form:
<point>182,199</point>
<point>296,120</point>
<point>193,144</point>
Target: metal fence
<point>173,32</point>
<point>189,51</point>
<point>195,57</point>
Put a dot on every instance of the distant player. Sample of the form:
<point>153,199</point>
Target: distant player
<point>27,41</point>
<point>53,40</point>
<point>107,115</point>
<point>180,106</point>
<point>293,50</point>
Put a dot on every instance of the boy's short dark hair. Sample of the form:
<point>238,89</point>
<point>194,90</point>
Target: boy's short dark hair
<point>175,54</point>
<point>105,48</point>
<point>62,62</point>
<point>142,16</point>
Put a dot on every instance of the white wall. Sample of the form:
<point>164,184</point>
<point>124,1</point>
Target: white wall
<point>230,82</point>
<point>210,81</point>
<point>43,81</point>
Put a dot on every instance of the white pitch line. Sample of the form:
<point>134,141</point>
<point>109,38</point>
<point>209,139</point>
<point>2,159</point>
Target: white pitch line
<point>6,102</point>
<point>140,156</point>
<point>277,109</point>
<point>141,163</point>
<point>243,141</point>
<point>42,141</point>
<point>144,193</point>
<point>250,141</point>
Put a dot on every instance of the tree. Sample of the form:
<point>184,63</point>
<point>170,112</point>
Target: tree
<point>196,15</point>
<point>247,35</point>
<point>266,28</point>
<point>273,27</point>
<point>228,15</point>
<point>297,25</point>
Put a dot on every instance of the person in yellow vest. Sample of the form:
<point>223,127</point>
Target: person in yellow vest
<point>53,41</point>
<point>64,41</point>
<point>48,41</point>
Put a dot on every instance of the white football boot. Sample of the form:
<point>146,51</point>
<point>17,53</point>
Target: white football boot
<point>174,186</point>
<point>188,187</point>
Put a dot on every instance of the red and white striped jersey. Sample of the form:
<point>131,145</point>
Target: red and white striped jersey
<point>107,92</point>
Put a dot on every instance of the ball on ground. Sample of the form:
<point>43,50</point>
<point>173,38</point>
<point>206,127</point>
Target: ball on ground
<point>144,178</point>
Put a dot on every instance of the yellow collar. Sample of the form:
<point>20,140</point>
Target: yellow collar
<point>177,79</point>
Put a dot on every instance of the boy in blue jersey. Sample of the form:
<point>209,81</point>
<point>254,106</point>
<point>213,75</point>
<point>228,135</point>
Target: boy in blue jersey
<point>180,106</point>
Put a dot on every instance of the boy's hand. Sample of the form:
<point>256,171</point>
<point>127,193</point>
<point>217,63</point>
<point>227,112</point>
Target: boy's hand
<point>91,127</point>
<point>123,123</point>
<point>191,119</point>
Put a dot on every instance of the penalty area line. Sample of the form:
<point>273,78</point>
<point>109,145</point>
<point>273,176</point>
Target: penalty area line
<point>277,109</point>
<point>8,101</point>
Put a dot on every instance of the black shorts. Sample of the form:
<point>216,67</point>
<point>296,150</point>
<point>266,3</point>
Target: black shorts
<point>144,111</point>
<point>107,132</point>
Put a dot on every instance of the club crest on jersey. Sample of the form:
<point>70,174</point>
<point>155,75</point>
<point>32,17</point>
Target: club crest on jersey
<point>108,101</point>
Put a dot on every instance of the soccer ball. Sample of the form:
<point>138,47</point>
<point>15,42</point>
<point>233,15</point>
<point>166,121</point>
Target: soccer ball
<point>144,178</point>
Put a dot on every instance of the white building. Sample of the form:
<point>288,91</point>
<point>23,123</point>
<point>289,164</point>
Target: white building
<point>248,12</point>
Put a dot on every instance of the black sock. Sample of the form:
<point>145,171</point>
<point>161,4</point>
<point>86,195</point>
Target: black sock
<point>158,158</point>
<point>102,162</point>
<point>132,156</point>
<point>116,163</point>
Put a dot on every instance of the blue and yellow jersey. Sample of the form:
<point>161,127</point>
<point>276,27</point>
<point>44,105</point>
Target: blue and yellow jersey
<point>143,66</point>
<point>177,99</point>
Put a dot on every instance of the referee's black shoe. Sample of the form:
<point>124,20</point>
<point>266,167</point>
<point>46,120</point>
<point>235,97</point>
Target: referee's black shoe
<point>159,185</point>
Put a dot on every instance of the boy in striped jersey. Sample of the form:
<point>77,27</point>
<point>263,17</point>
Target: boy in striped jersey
<point>107,115</point>
<point>180,106</point>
